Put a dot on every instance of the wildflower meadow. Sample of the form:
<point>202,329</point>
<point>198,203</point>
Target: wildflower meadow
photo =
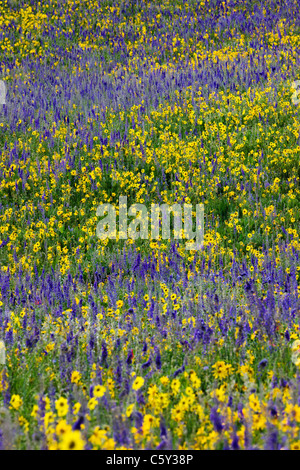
<point>148,342</point>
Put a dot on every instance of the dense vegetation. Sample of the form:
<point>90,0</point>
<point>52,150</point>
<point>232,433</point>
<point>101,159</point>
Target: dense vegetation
<point>141,344</point>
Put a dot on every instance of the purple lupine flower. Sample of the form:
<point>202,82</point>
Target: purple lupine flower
<point>235,442</point>
<point>287,335</point>
<point>274,382</point>
<point>283,383</point>
<point>162,445</point>
<point>158,360</point>
<point>147,363</point>
<point>263,363</point>
<point>273,412</point>
<point>179,371</point>
<point>272,442</point>
<point>215,419</point>
<point>137,263</point>
<point>126,389</point>
<point>240,411</point>
<point>163,429</point>
<point>140,398</point>
<point>129,357</point>
<point>104,354</point>
<point>78,423</point>
<point>118,373</point>
<point>138,417</point>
